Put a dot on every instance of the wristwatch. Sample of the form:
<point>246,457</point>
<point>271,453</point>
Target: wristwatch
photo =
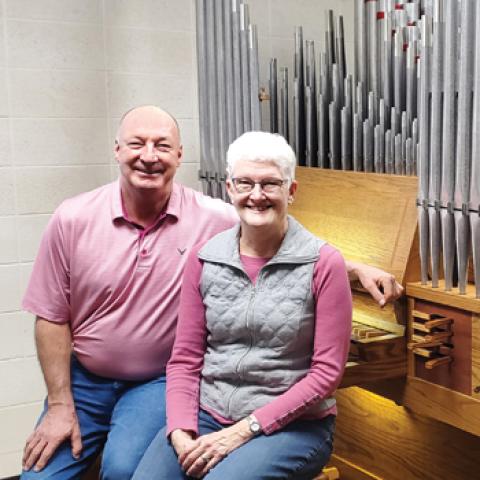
<point>254,426</point>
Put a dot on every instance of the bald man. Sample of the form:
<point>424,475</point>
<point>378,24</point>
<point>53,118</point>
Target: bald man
<point>105,291</point>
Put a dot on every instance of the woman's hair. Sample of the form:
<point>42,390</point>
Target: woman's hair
<point>262,147</point>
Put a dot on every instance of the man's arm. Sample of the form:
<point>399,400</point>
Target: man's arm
<point>381,285</point>
<point>60,422</point>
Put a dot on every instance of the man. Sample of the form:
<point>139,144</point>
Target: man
<point>105,286</point>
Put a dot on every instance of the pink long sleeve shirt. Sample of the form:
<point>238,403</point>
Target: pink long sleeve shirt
<point>332,295</point>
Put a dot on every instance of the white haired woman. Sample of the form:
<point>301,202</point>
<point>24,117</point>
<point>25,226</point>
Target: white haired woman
<point>262,337</point>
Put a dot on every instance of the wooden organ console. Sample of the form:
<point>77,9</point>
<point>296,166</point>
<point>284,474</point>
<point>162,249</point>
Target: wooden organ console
<point>423,351</point>
<point>371,219</point>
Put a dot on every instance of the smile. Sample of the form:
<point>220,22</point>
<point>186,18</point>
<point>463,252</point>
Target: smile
<point>147,172</point>
<point>257,208</point>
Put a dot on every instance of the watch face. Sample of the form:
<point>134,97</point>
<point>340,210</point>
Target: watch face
<point>254,426</point>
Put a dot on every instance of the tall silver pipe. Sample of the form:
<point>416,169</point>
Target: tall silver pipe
<point>414,145</point>
<point>464,145</point>
<point>202,93</point>
<point>221,125</point>
<point>371,18</point>
<point>229,74</point>
<point>387,52</point>
<point>330,37</point>
<point>475,177</point>
<point>357,143</point>
<point>411,82</point>
<point>405,133</point>
<point>340,53</point>
<point>361,40</point>
<point>311,106</point>
<point>380,45</point>
<point>372,108</point>
<point>409,157</point>
<point>272,82</point>
<point>435,141</point>
<point>449,141</point>
<point>254,78</point>
<point>346,138</point>
<point>368,144</point>
<point>284,127</point>
<point>309,132</point>
<point>348,88</point>
<point>360,101</point>
<point>213,140</point>
<point>245,66</point>
<point>399,70</point>
<point>423,160</point>
<point>237,68</point>
<point>299,97</point>
<point>379,149</point>
<point>389,157</point>
<point>322,124</point>
<point>398,154</point>
<point>334,131</point>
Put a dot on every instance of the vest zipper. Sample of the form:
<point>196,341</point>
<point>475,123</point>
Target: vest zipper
<point>237,369</point>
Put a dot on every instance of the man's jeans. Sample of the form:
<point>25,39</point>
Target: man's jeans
<point>122,417</point>
<point>299,451</point>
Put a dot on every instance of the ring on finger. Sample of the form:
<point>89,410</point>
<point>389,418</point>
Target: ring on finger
<point>206,458</point>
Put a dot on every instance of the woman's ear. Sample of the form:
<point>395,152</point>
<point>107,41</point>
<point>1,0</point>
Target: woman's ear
<point>291,191</point>
<point>230,188</point>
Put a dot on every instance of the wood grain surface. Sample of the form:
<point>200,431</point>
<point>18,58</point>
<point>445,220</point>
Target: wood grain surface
<point>389,442</point>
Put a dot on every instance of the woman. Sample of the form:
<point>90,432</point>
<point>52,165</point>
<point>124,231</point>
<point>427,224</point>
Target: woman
<point>262,337</point>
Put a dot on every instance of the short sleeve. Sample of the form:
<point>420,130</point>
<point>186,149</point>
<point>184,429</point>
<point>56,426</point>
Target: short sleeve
<point>48,291</point>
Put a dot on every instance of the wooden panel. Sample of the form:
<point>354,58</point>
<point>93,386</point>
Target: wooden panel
<point>391,443</point>
<point>358,373</point>
<point>367,312</point>
<point>476,356</point>
<point>438,295</point>
<point>435,401</point>
<point>410,360</point>
<point>457,375</point>
<point>370,218</point>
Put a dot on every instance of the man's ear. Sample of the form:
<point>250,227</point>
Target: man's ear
<point>116,148</point>
<point>180,155</point>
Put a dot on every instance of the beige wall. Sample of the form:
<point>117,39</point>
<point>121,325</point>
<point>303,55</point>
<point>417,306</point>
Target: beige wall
<point>68,69</point>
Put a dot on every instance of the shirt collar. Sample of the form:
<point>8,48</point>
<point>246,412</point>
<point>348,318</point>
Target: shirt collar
<point>173,206</point>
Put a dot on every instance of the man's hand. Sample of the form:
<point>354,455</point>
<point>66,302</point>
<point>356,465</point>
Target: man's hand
<point>212,448</point>
<point>381,285</point>
<point>60,423</point>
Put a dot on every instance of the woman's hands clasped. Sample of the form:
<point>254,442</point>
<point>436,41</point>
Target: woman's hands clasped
<point>198,456</point>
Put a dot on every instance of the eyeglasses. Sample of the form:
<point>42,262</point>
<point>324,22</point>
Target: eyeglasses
<point>267,185</point>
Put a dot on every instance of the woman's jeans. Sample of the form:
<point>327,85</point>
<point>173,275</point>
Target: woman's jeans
<point>119,416</point>
<point>299,451</point>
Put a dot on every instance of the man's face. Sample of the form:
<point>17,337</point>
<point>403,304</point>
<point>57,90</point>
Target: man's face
<point>148,149</point>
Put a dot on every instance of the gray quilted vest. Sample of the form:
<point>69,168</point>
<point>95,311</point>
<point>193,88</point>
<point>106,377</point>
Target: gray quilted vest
<point>260,337</point>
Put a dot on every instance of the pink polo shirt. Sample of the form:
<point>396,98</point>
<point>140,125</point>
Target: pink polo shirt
<point>118,285</point>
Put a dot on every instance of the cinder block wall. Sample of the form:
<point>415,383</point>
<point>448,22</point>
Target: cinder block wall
<point>68,70</point>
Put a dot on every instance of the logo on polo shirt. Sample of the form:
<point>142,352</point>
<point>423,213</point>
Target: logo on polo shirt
<point>181,251</point>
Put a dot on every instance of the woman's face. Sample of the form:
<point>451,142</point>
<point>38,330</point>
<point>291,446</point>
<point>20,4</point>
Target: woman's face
<point>260,193</point>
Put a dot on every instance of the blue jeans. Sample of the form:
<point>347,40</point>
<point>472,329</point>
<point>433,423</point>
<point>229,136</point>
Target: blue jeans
<point>119,416</point>
<point>299,451</point>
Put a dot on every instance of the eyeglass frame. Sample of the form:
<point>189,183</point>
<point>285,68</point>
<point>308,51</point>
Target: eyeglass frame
<point>262,183</point>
